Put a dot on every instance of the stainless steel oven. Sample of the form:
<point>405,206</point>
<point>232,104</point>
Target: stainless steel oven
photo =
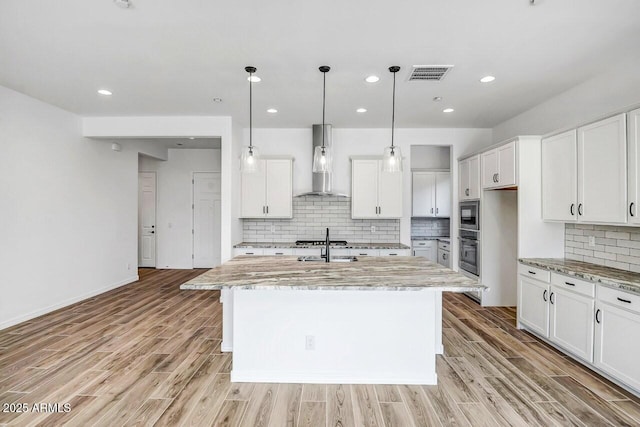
<point>469,256</point>
<point>470,215</point>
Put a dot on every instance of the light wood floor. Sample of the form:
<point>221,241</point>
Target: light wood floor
<point>149,354</point>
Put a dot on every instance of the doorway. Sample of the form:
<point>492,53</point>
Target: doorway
<point>146,219</point>
<point>206,219</point>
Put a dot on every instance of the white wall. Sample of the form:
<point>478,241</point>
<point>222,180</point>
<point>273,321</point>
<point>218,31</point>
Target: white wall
<point>68,214</point>
<point>430,157</point>
<point>174,216</point>
<point>613,90</point>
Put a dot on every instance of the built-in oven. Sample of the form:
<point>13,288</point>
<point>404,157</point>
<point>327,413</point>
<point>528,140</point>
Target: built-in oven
<point>469,256</point>
<point>470,215</point>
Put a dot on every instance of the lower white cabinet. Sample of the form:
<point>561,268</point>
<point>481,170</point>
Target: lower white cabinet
<point>248,251</point>
<point>571,322</point>
<point>425,248</point>
<point>533,304</point>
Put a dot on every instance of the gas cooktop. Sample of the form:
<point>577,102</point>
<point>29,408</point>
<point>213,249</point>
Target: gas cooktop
<point>320,242</point>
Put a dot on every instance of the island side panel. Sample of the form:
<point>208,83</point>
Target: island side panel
<point>226,298</point>
<point>358,337</point>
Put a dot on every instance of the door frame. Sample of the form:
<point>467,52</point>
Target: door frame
<point>155,202</point>
<point>193,212</point>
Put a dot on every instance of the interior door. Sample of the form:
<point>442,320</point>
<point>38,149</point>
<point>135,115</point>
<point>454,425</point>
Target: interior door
<point>147,219</point>
<point>206,219</point>
<point>423,189</point>
<point>443,194</point>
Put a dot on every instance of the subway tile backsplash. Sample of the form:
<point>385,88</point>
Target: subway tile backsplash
<point>617,247</point>
<point>430,227</point>
<point>311,217</point>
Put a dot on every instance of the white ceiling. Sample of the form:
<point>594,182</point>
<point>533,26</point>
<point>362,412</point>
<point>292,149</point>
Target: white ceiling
<point>178,143</point>
<point>165,57</point>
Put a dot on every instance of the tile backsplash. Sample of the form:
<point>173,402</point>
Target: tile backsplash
<point>617,247</point>
<point>311,217</point>
<point>430,227</point>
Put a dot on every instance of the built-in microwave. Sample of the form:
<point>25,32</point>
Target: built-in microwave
<point>470,215</point>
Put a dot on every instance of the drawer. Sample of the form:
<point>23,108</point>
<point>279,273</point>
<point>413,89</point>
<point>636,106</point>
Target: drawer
<point>248,251</point>
<point>339,252</point>
<point>278,251</point>
<point>443,245</point>
<point>423,243</point>
<point>534,273</point>
<point>395,252</point>
<point>307,251</point>
<point>364,252</point>
<point>618,298</point>
<point>575,285</point>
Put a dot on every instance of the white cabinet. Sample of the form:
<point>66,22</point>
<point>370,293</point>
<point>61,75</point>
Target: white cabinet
<point>571,322</point>
<point>617,336</point>
<point>374,193</point>
<point>425,248</point>
<point>248,251</point>
<point>533,307</point>
<point>633,123</point>
<point>584,173</point>
<point>559,177</point>
<point>268,192</point>
<point>444,255</point>
<point>395,252</point>
<point>431,194</point>
<point>499,166</point>
<point>469,182</point>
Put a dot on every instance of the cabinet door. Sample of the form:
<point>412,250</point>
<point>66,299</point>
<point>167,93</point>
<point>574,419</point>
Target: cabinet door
<point>507,165</point>
<point>633,180</point>
<point>253,193</point>
<point>489,169</point>
<point>279,188</point>
<point>423,190</point>
<point>571,325</point>
<point>443,194</point>
<point>474,177</point>
<point>389,194</point>
<point>533,306</point>
<point>602,171</point>
<point>463,180</point>
<point>617,346</point>
<point>559,177</point>
<point>364,188</point>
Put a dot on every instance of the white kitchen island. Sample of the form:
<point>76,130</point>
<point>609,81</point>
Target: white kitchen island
<point>377,320</point>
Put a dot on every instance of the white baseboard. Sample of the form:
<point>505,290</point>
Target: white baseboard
<point>439,349</point>
<point>59,305</point>
<point>328,378</point>
<point>226,348</point>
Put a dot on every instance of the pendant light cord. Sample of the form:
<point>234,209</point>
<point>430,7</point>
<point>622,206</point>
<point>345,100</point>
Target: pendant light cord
<point>250,113</point>
<point>324,90</point>
<point>393,111</point>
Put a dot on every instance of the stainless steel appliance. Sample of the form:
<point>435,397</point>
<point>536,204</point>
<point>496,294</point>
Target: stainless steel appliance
<point>470,215</point>
<point>469,256</point>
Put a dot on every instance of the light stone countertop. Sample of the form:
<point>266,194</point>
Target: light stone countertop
<point>443,238</point>
<point>292,245</point>
<point>607,276</point>
<point>397,273</point>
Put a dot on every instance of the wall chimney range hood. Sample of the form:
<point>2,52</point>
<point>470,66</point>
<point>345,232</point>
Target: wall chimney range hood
<point>321,181</point>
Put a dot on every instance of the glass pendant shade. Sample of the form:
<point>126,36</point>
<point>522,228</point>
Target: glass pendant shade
<point>322,159</point>
<point>250,160</point>
<point>392,159</point>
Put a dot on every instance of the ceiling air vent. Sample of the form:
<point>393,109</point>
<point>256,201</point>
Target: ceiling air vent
<point>429,72</point>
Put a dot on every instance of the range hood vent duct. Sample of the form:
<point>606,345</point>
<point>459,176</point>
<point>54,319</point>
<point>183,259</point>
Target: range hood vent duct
<point>322,182</point>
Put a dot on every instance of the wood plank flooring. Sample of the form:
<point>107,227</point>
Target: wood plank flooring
<point>149,354</point>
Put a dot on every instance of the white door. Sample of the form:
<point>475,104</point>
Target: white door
<point>559,177</point>
<point>443,194</point>
<point>389,194</point>
<point>506,165</point>
<point>147,219</point>
<point>489,169</point>
<point>602,171</point>
<point>463,180</point>
<point>634,166</point>
<point>364,188</point>
<point>206,219</point>
<point>252,193</point>
<point>474,177</point>
<point>571,325</point>
<point>279,191</point>
<point>533,306</point>
<point>423,192</point>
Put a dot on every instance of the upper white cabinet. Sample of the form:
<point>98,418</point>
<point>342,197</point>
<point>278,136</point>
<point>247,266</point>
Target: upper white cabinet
<point>431,194</point>
<point>469,183</point>
<point>268,192</point>
<point>584,173</point>
<point>499,166</point>
<point>374,193</point>
<point>633,124</point>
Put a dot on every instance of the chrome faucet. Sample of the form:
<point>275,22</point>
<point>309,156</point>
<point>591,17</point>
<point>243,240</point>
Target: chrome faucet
<point>326,248</point>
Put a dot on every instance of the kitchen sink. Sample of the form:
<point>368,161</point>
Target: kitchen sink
<point>344,258</point>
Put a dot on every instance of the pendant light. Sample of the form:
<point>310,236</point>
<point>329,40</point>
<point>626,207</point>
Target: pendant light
<point>322,158</point>
<point>392,157</point>
<point>249,159</point>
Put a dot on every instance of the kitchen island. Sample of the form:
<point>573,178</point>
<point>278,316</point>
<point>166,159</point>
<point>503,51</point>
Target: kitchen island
<point>377,320</point>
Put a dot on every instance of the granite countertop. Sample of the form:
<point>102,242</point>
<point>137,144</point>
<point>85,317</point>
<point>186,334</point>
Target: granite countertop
<point>292,245</point>
<point>397,273</point>
<point>429,238</point>
<point>607,276</point>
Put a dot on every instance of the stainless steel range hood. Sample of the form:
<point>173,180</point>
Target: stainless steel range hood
<point>322,182</point>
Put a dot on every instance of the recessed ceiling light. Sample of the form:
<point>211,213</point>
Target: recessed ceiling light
<point>437,98</point>
<point>217,99</point>
<point>254,79</point>
<point>361,110</point>
<point>372,79</point>
<point>272,110</point>
<point>448,110</point>
<point>105,92</point>
<point>191,137</point>
<point>487,79</point>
